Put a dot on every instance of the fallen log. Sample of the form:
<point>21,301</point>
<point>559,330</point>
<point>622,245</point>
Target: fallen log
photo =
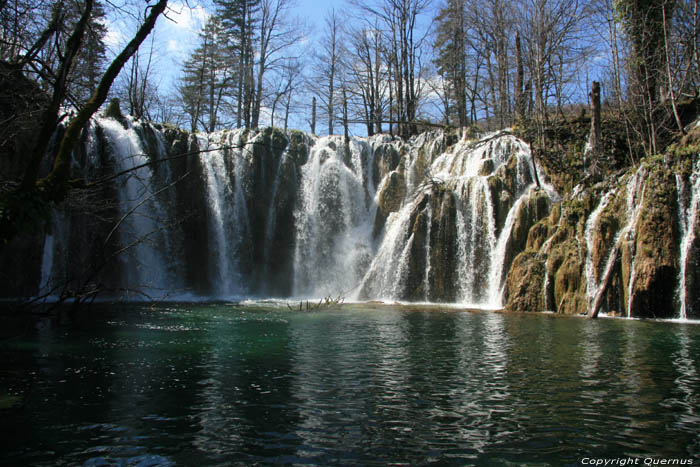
<point>594,309</point>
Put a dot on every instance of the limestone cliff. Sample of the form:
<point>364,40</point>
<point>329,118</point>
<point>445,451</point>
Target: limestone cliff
<point>630,239</point>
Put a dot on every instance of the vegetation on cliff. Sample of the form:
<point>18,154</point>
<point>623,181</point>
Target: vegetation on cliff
<point>614,244</point>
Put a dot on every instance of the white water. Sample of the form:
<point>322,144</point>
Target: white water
<point>227,219</point>
<point>498,255</point>
<point>143,230</point>
<point>591,224</point>
<point>333,221</point>
<point>335,252</point>
<point>634,199</point>
<point>481,243</point>
<point>688,216</point>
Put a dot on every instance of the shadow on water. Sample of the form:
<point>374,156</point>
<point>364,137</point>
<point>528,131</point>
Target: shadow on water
<point>221,384</point>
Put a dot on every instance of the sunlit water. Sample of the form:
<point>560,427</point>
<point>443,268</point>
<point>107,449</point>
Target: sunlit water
<point>215,384</point>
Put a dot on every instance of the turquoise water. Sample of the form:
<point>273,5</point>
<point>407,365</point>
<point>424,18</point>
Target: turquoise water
<point>217,384</point>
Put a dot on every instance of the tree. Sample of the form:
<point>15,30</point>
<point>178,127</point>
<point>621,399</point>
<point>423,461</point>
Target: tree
<point>550,30</point>
<point>399,18</point>
<point>451,59</point>
<point>91,58</point>
<point>238,19</point>
<point>326,64</point>
<point>646,23</point>
<point>367,69</point>
<point>55,186</point>
<point>287,80</point>
<point>276,34</point>
<point>207,77</point>
<point>489,28</point>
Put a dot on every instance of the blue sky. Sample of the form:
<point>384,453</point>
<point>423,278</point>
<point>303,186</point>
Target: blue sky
<point>176,37</point>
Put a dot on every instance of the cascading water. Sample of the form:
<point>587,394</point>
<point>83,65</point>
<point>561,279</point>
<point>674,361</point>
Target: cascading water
<point>688,216</point>
<point>302,219</point>
<point>481,240</point>
<point>634,196</point>
<point>227,164</point>
<point>144,222</point>
<point>333,220</point>
<point>591,224</point>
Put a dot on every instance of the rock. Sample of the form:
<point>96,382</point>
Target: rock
<point>656,248</point>
<point>534,208</point>
<point>415,289</point>
<point>114,111</point>
<point>523,291</point>
<point>386,160</point>
<point>443,246</point>
<point>391,197</point>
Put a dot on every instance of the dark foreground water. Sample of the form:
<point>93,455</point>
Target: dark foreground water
<point>258,384</point>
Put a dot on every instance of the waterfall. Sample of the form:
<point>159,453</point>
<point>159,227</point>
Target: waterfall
<point>143,226</point>
<point>688,217</point>
<point>634,199</point>
<point>304,215</point>
<point>481,243</point>
<point>591,281</point>
<point>333,220</point>
<point>498,255</point>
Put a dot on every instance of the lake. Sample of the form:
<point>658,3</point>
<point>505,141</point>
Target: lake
<point>256,383</point>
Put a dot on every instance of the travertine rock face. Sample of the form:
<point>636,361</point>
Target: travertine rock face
<point>639,228</point>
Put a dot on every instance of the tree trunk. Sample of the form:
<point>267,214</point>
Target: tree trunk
<point>56,183</point>
<point>594,139</point>
<point>313,115</point>
<point>345,116</point>
<point>669,75</point>
<point>605,281</point>
<point>519,80</point>
<point>50,116</point>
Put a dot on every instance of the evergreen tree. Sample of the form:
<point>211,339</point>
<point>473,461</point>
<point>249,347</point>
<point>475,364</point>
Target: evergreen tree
<point>450,57</point>
<point>207,77</point>
<point>238,21</point>
<point>91,59</point>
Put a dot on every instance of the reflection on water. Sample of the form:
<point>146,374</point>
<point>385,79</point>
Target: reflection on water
<point>222,385</point>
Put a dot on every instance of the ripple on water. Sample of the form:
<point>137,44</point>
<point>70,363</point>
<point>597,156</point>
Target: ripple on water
<point>227,384</point>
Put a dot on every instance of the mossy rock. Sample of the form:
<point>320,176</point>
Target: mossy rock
<point>443,246</point>
<point>523,290</point>
<point>656,248</point>
<point>114,111</point>
<point>386,160</point>
<point>566,266</point>
<point>538,234</point>
<point>389,200</point>
<point>534,208</point>
<point>298,148</point>
<point>608,224</point>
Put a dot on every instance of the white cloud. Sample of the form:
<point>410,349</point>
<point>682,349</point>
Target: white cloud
<point>114,37</point>
<point>180,29</point>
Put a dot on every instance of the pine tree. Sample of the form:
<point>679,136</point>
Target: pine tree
<point>238,20</point>
<point>207,77</point>
<point>451,58</point>
<point>91,60</point>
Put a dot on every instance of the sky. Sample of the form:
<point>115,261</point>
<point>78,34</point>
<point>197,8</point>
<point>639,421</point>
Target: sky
<point>175,37</point>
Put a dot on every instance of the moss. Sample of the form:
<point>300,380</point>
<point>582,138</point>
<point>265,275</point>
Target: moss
<point>114,111</point>
<point>538,234</point>
<point>389,200</point>
<point>569,284</point>
<point>298,148</point>
<point>523,290</point>
<point>656,247</point>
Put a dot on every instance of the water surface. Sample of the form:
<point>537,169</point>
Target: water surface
<point>222,384</point>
